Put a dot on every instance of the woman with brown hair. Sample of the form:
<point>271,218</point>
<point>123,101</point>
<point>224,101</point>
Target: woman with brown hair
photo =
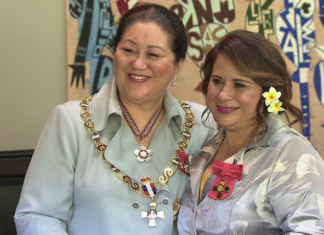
<point>257,175</point>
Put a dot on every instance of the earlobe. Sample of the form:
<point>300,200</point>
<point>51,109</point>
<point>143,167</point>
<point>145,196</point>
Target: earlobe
<point>178,67</point>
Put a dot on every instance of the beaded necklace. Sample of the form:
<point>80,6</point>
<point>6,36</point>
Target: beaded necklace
<point>143,154</point>
<point>148,189</point>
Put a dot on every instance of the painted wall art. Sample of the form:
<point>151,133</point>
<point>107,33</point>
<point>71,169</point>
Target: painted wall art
<point>296,26</point>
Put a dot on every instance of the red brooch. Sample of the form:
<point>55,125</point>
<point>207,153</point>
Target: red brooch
<point>227,174</point>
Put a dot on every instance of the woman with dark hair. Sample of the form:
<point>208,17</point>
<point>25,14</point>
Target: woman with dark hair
<point>117,162</point>
<point>257,175</point>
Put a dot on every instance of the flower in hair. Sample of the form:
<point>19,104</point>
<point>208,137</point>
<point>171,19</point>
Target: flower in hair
<point>272,100</point>
<point>271,97</point>
<point>275,108</point>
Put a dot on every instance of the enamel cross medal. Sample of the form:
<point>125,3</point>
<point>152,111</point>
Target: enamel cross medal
<point>226,176</point>
<point>221,187</point>
<point>143,154</point>
<point>150,190</point>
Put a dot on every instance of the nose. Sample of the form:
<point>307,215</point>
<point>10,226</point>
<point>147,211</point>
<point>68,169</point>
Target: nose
<point>226,93</point>
<point>139,63</point>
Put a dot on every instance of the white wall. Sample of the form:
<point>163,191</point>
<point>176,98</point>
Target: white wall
<point>32,68</point>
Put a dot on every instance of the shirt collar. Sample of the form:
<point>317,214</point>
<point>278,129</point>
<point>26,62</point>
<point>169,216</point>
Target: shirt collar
<point>172,110</point>
<point>105,103</point>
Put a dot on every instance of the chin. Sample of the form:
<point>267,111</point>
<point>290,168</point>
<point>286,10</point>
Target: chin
<point>135,98</point>
<point>226,125</point>
<point>136,94</point>
<point>225,122</point>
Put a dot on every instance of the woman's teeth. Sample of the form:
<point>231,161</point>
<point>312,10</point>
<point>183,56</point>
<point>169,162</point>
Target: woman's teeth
<point>138,77</point>
<point>228,109</point>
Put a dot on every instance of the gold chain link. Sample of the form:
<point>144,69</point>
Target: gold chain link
<point>101,146</point>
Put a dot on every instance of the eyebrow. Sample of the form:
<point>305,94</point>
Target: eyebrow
<point>149,46</point>
<point>131,41</point>
<point>235,79</point>
<point>157,47</point>
<point>241,80</point>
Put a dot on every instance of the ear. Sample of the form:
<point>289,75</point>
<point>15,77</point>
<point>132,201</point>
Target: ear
<point>178,67</point>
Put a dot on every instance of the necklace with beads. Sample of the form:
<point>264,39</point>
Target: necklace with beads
<point>142,154</point>
<point>148,188</point>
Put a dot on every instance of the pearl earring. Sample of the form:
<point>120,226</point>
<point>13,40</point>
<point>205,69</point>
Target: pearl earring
<point>174,83</point>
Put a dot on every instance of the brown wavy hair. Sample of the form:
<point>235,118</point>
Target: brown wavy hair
<point>256,57</point>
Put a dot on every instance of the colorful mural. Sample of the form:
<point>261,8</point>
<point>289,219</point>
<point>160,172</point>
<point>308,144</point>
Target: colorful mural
<point>295,31</point>
<point>297,26</point>
<point>96,27</point>
<point>205,22</point>
<point>319,69</point>
<point>259,18</point>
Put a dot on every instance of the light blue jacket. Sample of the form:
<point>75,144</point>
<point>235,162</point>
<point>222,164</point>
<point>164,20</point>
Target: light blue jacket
<point>69,189</point>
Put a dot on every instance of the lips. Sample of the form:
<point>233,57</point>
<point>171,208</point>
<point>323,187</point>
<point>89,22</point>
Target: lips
<point>137,78</point>
<point>226,110</point>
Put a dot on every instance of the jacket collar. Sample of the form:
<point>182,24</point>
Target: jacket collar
<point>105,103</point>
<point>274,122</point>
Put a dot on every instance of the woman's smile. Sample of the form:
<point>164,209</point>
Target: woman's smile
<point>226,110</point>
<point>137,78</point>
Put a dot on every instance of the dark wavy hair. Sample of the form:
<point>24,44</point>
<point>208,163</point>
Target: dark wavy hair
<point>167,20</point>
<point>256,57</point>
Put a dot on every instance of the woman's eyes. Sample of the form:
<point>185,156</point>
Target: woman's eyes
<point>153,54</point>
<point>217,81</point>
<point>239,85</point>
<point>127,50</point>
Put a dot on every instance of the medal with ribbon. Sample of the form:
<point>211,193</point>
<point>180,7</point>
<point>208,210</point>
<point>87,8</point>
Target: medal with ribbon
<point>226,176</point>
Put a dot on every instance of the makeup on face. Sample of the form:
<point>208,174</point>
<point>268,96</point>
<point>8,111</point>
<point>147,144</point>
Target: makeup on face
<point>144,64</point>
<point>232,97</point>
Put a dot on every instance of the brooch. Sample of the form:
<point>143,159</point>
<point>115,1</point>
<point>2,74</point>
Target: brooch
<point>226,176</point>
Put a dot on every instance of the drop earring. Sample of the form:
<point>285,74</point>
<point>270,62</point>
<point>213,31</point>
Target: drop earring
<point>174,82</point>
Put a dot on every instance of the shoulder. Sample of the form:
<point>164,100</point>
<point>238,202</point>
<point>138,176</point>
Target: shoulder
<point>295,151</point>
<point>288,138</point>
<point>298,148</point>
<point>202,115</point>
<point>197,108</point>
<point>69,109</point>
<point>65,116</point>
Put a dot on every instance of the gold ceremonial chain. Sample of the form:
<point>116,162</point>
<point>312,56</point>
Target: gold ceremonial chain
<point>168,172</point>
